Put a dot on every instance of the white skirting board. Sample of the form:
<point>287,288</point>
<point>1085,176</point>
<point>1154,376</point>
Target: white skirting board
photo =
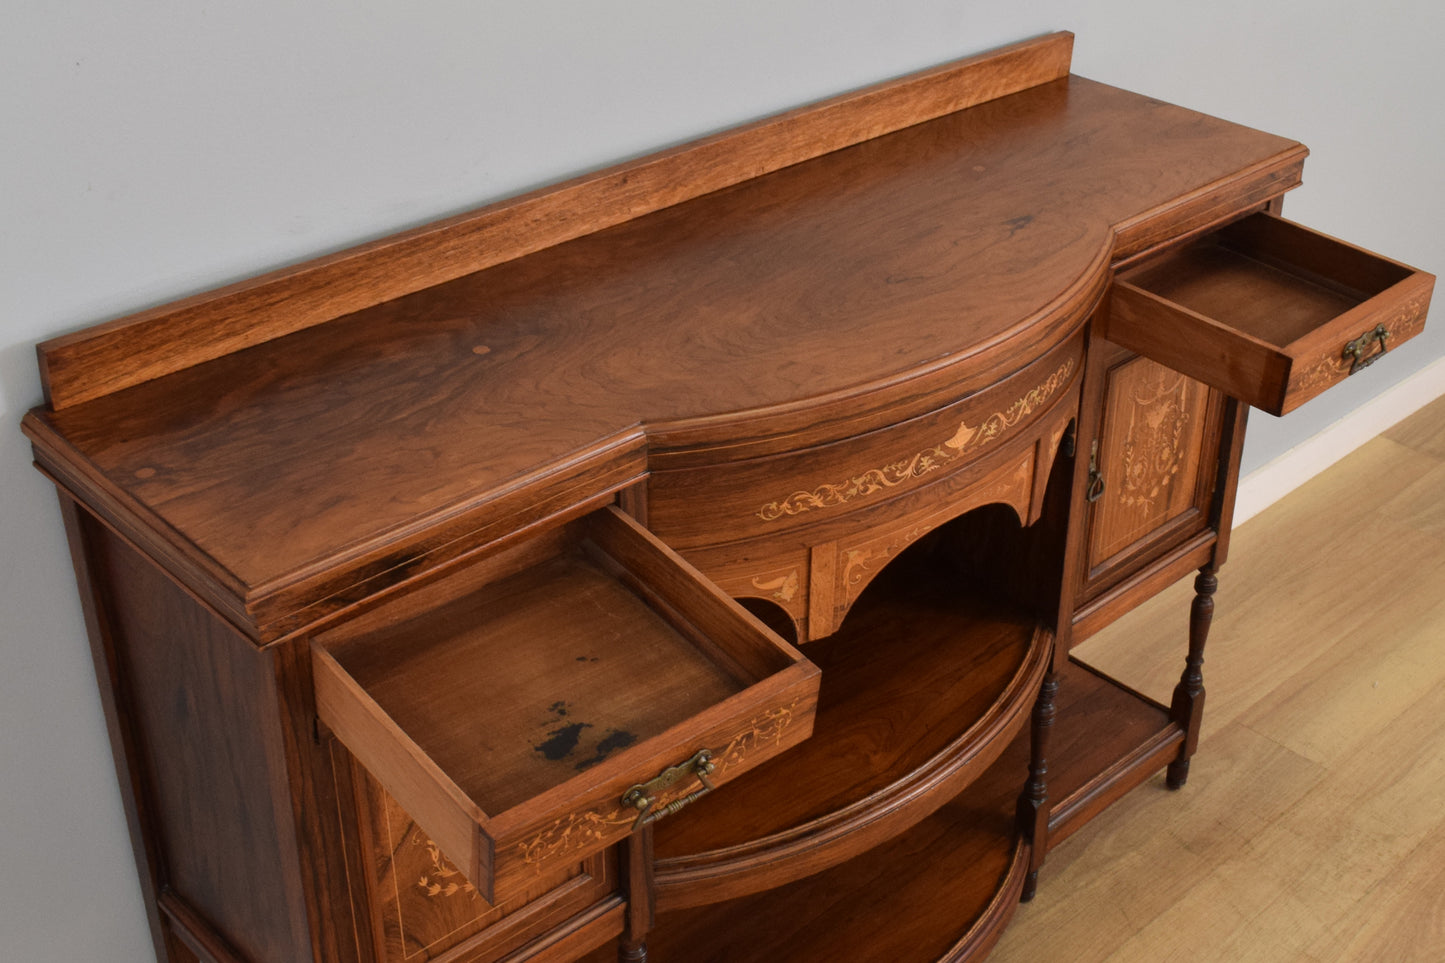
<point>1271,482</point>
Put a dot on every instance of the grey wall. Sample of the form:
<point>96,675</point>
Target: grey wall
<point>151,150</point>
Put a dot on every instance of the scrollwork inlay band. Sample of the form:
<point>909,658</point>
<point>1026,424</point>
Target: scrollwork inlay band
<point>573,833</point>
<point>1407,322</point>
<point>588,829</point>
<point>766,729</point>
<point>964,440</point>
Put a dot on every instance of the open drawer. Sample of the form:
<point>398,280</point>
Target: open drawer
<point>591,682</point>
<point>1267,311</point>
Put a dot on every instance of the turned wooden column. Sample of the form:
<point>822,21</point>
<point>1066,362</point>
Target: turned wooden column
<point>1033,810</point>
<point>1188,704</point>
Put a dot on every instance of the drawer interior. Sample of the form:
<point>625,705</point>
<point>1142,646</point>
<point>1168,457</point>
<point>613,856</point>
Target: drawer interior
<point>1267,311</point>
<point>511,708</point>
<point>1274,284</point>
<point>527,682</point>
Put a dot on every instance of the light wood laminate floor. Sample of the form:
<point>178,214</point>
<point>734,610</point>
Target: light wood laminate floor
<point>1312,829</point>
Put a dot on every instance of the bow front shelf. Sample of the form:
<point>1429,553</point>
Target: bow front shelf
<point>682,563</point>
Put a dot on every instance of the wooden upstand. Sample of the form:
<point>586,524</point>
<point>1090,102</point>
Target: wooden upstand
<point>682,563</point>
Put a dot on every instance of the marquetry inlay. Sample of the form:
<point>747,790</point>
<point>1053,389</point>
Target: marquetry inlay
<point>442,879</point>
<point>1153,448</point>
<point>965,440</point>
<point>766,729</point>
<point>584,830</point>
<point>573,833</point>
<point>783,588</point>
<point>1406,323</point>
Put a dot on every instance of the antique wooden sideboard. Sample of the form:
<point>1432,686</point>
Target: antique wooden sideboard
<point>682,562</point>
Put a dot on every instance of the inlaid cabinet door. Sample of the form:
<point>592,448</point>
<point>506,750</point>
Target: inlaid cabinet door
<point>1153,459</point>
<point>412,904</point>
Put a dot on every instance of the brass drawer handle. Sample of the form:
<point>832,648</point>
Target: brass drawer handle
<point>1094,490</point>
<point>1355,350</point>
<point>643,796</point>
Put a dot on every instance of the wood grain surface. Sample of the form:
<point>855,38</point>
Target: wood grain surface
<point>212,777</point>
<point>129,351</point>
<point>519,667</point>
<point>420,905</point>
<point>857,288</point>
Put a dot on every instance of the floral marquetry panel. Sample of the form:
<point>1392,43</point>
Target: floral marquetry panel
<point>418,906</point>
<point>1149,455</point>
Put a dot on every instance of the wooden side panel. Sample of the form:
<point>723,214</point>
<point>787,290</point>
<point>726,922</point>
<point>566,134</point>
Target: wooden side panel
<point>192,939</point>
<point>132,350</point>
<point>202,705</point>
<point>124,751</point>
<point>1231,447</point>
<point>1149,454</point>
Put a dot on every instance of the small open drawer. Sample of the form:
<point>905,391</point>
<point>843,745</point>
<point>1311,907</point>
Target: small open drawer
<point>1267,311</point>
<point>591,664</point>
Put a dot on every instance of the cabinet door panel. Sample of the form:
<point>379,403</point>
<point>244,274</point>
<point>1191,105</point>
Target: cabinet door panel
<point>1156,456</point>
<point>418,906</point>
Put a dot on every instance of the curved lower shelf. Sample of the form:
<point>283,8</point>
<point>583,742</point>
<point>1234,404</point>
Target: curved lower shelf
<point>922,689</point>
<point>941,892</point>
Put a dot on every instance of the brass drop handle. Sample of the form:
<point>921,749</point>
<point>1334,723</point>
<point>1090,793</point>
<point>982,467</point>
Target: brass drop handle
<point>644,795</point>
<point>1355,350</point>
<point>1094,490</point>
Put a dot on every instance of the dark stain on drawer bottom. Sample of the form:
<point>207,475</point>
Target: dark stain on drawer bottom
<point>614,740</point>
<point>561,742</point>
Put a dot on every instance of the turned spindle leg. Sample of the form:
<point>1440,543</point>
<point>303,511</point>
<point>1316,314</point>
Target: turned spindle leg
<point>1033,811</point>
<point>637,882</point>
<point>1188,705</point>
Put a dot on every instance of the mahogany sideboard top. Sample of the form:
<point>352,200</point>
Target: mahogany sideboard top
<point>841,293</point>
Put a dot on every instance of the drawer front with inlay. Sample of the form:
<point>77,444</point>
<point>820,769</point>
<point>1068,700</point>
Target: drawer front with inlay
<point>696,507</point>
